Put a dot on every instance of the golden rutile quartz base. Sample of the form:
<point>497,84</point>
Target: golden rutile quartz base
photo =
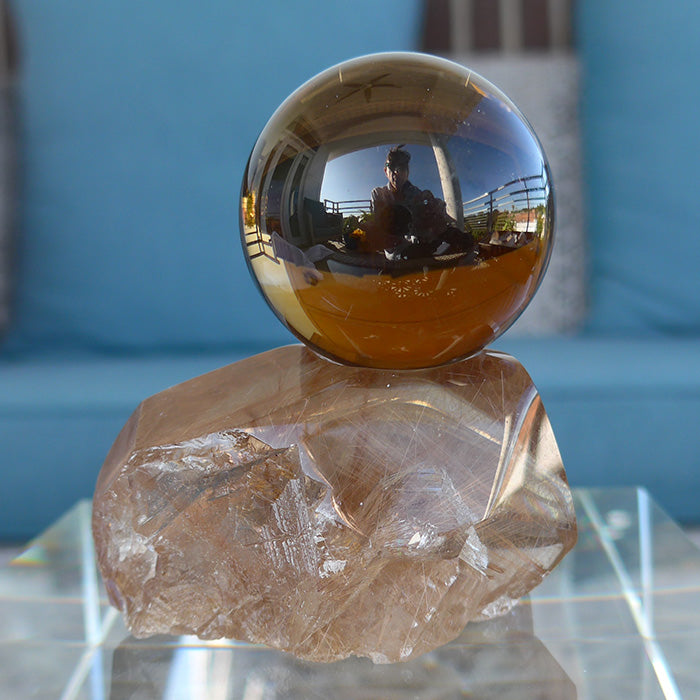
<point>329,510</point>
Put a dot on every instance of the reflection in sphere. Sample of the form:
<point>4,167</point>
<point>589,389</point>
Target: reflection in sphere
<point>397,212</point>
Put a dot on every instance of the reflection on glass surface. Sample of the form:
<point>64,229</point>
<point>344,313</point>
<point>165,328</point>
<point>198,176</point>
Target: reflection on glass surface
<point>500,659</point>
<point>397,212</point>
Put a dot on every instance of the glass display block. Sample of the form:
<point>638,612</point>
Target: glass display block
<point>617,619</point>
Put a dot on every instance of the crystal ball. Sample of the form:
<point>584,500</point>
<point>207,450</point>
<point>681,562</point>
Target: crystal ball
<point>397,212</point>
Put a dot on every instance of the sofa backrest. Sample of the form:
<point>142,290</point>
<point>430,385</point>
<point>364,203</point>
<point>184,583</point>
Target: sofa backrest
<point>137,121</point>
<point>641,98</point>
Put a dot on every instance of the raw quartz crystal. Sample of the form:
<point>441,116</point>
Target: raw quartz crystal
<point>331,511</point>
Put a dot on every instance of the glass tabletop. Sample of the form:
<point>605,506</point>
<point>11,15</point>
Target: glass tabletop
<point>619,618</point>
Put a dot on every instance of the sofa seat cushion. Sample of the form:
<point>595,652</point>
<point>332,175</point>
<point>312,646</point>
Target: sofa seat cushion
<point>623,412</point>
<point>58,419</point>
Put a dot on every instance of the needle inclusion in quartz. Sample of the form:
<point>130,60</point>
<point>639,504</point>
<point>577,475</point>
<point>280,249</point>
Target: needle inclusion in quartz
<point>329,510</point>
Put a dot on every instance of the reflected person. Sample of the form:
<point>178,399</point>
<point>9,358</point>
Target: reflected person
<point>412,223</point>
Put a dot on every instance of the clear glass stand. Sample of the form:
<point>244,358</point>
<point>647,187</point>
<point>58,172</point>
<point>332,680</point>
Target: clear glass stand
<point>619,618</point>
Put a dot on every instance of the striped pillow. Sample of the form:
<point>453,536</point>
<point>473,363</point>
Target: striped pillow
<point>525,47</point>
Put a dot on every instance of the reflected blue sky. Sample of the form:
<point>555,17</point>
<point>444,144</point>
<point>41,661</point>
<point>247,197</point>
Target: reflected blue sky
<point>482,165</point>
<point>355,175</point>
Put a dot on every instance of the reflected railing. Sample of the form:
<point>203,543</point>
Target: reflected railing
<point>259,244</point>
<point>348,207</point>
<point>509,215</point>
<point>516,206</point>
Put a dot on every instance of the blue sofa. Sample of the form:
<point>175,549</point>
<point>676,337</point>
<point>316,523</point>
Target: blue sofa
<point>137,120</point>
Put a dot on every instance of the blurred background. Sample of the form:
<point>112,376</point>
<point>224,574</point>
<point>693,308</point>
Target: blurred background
<point>124,132</point>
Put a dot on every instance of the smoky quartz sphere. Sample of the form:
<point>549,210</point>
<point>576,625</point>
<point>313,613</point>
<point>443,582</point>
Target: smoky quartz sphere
<point>396,212</point>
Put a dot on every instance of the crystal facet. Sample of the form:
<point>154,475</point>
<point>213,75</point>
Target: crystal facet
<point>397,212</point>
<point>329,510</point>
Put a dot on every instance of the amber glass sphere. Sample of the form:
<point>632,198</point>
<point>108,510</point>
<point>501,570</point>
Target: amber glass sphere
<point>396,212</point>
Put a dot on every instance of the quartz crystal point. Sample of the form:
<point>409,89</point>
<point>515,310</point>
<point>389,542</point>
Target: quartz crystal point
<point>332,511</point>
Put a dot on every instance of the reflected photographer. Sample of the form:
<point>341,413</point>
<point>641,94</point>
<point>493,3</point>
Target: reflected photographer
<point>410,222</point>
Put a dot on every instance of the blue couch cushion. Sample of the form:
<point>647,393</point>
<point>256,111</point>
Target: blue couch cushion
<point>138,118</point>
<point>58,418</point>
<point>641,140</point>
<point>624,413</point>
